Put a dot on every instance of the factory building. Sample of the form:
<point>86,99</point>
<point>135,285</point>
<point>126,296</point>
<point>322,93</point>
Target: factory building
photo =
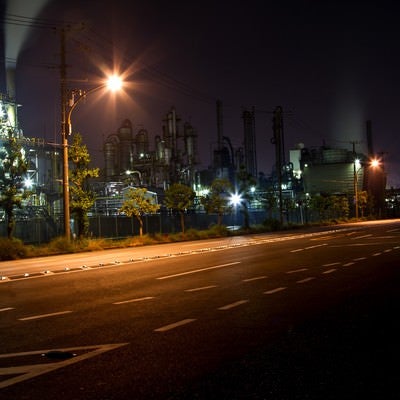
<point>172,157</point>
<point>327,170</point>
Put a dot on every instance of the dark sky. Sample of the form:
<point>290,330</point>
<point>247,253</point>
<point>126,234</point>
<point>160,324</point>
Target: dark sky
<point>331,66</point>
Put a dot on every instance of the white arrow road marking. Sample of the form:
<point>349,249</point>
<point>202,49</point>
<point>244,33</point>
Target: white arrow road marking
<point>30,371</point>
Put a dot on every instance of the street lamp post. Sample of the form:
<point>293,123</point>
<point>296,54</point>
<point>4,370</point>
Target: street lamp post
<point>114,83</point>
<point>356,168</point>
<point>235,200</point>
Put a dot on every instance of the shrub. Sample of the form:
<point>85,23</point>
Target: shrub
<point>12,249</point>
<point>272,224</point>
<point>218,231</point>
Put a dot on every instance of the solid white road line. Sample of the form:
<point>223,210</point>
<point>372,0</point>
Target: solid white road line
<point>233,305</point>
<point>195,271</point>
<point>133,300</point>
<point>174,325</point>
<point>276,290</point>
<point>44,315</point>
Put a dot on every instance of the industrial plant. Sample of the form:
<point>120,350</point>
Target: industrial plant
<point>132,158</point>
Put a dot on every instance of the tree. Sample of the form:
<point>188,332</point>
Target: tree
<point>138,203</point>
<point>362,201</point>
<point>319,204</point>
<point>217,200</point>
<point>179,197</point>
<point>81,197</point>
<point>269,202</point>
<point>13,167</point>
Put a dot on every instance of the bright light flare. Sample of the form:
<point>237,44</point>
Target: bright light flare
<point>114,83</point>
<point>28,183</point>
<point>235,199</point>
<point>375,163</point>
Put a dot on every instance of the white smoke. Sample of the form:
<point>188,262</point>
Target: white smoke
<point>16,34</point>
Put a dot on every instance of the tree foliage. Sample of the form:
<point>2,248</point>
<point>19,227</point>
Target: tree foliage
<point>179,197</point>
<point>13,167</point>
<point>330,207</point>
<point>137,204</point>
<point>217,201</point>
<point>81,197</point>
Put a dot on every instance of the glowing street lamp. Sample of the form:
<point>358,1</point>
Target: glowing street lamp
<point>114,83</point>
<point>356,168</point>
<point>375,163</point>
<point>235,199</point>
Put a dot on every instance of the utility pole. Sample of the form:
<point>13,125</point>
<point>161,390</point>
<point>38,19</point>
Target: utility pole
<point>64,137</point>
<point>277,140</point>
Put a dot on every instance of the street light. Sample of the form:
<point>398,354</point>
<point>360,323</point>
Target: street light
<point>356,167</point>
<point>235,199</point>
<point>113,83</point>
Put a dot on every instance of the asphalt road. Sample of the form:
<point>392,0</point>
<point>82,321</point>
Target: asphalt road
<point>307,315</point>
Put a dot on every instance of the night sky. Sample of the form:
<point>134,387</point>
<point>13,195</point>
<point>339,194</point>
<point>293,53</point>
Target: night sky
<point>331,66</point>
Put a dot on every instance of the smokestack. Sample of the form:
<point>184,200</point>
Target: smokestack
<point>10,80</point>
<point>219,124</point>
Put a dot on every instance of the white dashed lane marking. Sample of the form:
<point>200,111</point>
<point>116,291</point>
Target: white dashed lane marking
<point>7,309</point>
<point>195,271</point>
<point>44,315</point>
<point>276,290</point>
<point>256,278</point>
<point>233,305</point>
<point>310,278</point>
<point>201,288</point>
<point>133,300</point>
<point>293,271</point>
<point>348,264</point>
<point>329,271</point>
<point>174,325</point>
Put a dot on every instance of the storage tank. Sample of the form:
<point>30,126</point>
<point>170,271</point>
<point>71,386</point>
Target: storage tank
<point>110,157</point>
<point>142,142</point>
<point>331,156</point>
<point>125,145</point>
<point>190,137</point>
<point>160,149</point>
